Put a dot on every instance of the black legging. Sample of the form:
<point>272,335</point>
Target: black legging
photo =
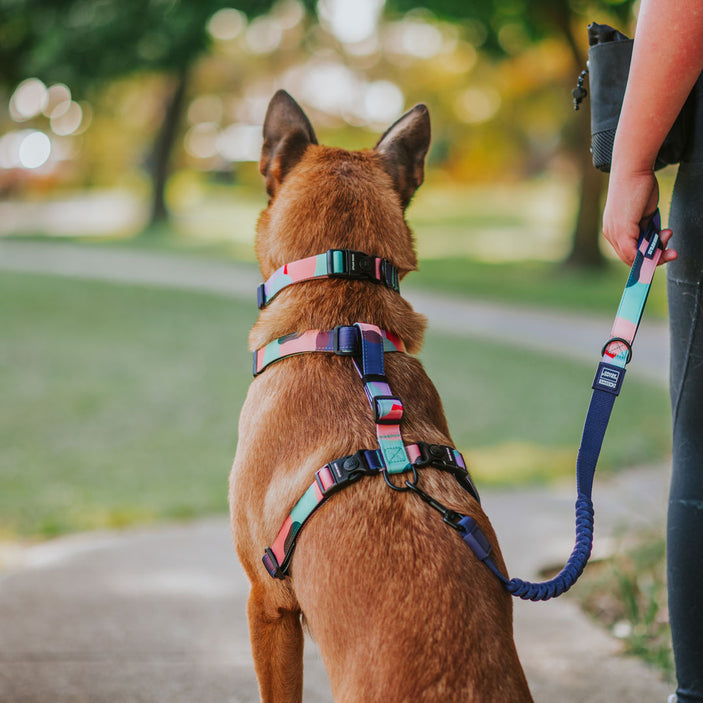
<point>685,522</point>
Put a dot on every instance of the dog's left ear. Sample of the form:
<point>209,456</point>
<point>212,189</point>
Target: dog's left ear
<point>287,134</point>
<point>404,147</point>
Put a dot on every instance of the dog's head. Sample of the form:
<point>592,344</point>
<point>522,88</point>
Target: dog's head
<point>326,198</point>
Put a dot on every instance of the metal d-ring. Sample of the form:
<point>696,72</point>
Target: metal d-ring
<point>627,344</point>
<point>408,484</point>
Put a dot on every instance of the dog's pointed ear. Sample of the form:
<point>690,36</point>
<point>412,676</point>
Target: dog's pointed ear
<point>287,134</point>
<point>404,147</point>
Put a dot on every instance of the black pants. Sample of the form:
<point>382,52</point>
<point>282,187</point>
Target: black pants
<point>685,521</point>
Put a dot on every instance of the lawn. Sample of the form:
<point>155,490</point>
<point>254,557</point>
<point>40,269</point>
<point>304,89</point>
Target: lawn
<point>121,405</point>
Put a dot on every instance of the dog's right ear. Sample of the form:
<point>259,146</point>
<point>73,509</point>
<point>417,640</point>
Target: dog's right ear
<point>404,146</point>
<point>287,134</point>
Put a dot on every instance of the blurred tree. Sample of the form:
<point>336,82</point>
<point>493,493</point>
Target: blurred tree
<point>503,25</point>
<point>85,43</point>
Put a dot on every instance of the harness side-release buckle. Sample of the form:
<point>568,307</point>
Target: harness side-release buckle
<point>341,472</point>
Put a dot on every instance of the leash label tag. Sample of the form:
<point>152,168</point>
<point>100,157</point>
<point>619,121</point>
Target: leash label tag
<point>608,378</point>
<point>652,246</point>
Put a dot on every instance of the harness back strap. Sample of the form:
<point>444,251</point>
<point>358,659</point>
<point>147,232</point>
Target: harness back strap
<point>387,408</point>
<point>334,263</point>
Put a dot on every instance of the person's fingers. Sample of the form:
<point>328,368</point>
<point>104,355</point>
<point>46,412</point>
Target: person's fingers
<point>665,236</point>
<point>668,254</point>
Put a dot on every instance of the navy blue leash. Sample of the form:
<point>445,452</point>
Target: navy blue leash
<point>616,353</point>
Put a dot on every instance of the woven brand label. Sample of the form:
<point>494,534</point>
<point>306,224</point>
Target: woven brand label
<point>652,246</point>
<point>609,378</point>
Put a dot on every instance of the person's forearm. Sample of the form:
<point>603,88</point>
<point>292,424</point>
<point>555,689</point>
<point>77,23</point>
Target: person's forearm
<point>666,61</point>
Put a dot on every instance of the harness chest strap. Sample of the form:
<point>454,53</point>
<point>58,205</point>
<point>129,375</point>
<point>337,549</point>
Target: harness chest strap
<point>343,472</point>
<point>334,263</point>
<point>343,340</point>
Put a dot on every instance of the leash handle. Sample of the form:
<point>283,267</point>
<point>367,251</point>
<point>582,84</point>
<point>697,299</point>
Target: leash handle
<point>616,353</point>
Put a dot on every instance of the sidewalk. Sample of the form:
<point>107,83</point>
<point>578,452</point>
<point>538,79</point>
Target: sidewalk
<point>159,614</point>
<point>155,615</point>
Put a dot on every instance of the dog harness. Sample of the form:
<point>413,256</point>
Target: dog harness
<point>366,345</point>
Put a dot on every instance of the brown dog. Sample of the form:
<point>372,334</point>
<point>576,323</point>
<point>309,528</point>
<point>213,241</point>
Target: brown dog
<point>401,608</point>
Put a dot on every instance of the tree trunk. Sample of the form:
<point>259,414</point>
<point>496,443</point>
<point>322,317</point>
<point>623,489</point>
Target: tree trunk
<point>585,250</point>
<point>160,161</point>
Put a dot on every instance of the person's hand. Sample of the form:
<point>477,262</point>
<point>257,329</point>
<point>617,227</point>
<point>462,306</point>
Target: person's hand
<point>632,199</point>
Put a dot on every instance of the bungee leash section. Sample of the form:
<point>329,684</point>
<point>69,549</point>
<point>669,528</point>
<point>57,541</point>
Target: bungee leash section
<point>616,353</point>
<point>367,345</point>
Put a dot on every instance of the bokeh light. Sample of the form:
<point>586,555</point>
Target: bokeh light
<point>28,100</point>
<point>350,21</point>
<point>34,149</point>
<point>227,24</point>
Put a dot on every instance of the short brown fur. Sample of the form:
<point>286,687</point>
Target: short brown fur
<point>400,607</point>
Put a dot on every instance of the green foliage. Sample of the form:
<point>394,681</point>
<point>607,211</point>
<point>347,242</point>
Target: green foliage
<point>495,22</point>
<point>85,42</point>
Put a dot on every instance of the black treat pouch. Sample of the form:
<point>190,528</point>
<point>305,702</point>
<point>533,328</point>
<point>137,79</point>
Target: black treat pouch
<point>609,57</point>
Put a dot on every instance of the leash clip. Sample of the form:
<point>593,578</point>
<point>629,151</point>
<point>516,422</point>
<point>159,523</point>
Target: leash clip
<point>451,517</point>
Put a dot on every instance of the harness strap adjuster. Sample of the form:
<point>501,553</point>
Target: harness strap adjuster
<point>272,565</point>
<point>345,340</point>
<point>387,410</point>
<point>261,296</point>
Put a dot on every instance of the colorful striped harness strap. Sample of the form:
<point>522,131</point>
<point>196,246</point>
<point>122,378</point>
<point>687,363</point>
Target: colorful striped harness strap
<point>366,345</point>
<point>335,263</point>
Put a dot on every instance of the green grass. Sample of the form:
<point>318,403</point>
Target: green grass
<point>627,595</point>
<point>536,283</point>
<point>121,404</point>
<point>518,415</point>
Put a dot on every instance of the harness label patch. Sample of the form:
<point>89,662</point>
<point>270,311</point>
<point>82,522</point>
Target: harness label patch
<point>609,378</point>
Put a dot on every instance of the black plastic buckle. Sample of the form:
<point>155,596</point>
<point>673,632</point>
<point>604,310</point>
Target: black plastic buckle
<point>261,296</point>
<point>389,275</point>
<point>434,454</point>
<point>357,265</point>
<point>271,564</point>
<point>344,471</point>
<point>386,421</point>
<point>345,349</point>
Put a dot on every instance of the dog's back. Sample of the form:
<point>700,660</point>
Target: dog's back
<point>401,608</point>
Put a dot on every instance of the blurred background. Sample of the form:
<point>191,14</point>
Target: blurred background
<point>132,128</point>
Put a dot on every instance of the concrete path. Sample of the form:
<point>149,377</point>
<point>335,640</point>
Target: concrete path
<point>561,334</point>
<point>159,614</point>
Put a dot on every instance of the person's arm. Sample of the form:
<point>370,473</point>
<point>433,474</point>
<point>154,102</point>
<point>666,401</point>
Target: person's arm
<point>667,58</point>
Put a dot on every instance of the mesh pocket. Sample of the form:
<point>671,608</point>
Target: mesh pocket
<point>602,149</point>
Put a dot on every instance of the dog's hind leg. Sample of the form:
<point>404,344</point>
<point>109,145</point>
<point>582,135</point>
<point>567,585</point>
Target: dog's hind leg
<point>277,646</point>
